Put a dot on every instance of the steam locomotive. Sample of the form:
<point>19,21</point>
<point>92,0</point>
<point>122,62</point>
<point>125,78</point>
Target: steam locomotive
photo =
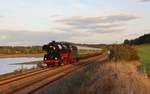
<point>59,53</point>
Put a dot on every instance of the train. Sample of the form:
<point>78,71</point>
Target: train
<point>63,53</point>
<point>59,53</point>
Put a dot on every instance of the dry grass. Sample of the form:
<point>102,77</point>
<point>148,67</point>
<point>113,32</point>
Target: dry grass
<point>119,78</point>
<point>102,78</point>
<point>122,52</point>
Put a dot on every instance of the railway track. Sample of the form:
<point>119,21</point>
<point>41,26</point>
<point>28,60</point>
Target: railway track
<point>21,76</point>
<point>31,82</point>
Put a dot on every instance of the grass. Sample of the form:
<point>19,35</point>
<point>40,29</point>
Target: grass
<point>122,52</point>
<point>144,54</point>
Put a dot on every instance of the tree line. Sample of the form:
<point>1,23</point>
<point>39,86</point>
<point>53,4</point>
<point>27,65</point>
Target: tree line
<point>145,39</point>
<point>20,50</point>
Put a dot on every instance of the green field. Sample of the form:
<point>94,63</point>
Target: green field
<point>144,54</point>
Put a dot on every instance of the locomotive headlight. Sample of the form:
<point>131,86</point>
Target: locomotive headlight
<point>56,58</point>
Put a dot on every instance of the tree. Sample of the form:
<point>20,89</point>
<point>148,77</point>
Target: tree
<point>126,41</point>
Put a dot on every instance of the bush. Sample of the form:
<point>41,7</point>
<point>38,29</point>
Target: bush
<point>122,52</point>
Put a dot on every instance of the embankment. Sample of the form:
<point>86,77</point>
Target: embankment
<point>102,78</point>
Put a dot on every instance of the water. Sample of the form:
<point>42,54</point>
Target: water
<point>6,67</point>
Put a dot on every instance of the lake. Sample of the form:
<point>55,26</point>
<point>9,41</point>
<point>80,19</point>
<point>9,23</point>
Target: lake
<point>6,67</point>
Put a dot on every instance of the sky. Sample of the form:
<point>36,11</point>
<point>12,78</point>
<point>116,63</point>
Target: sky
<point>36,22</point>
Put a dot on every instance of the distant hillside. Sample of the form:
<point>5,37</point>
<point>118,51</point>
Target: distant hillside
<point>20,50</point>
<point>145,39</point>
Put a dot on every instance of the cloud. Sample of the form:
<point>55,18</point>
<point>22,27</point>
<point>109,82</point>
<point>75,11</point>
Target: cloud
<point>9,37</point>
<point>1,16</point>
<point>101,24</point>
<point>142,0</point>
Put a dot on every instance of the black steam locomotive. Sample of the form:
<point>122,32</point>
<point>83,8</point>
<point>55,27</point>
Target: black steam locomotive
<point>59,53</point>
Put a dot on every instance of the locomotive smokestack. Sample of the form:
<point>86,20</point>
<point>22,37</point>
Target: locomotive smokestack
<point>53,41</point>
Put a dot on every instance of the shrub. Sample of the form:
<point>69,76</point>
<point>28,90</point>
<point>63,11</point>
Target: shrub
<point>122,52</point>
